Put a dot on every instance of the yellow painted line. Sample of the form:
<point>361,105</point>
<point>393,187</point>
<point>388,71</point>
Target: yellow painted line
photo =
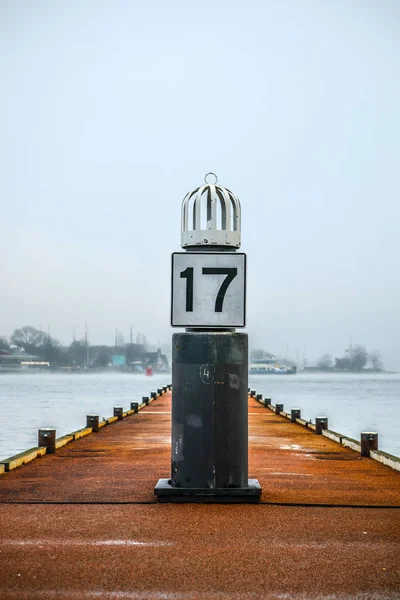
<point>102,424</point>
<point>22,458</point>
<point>2,469</point>
<point>111,420</point>
<point>63,441</point>
<point>350,443</point>
<point>386,459</point>
<point>81,433</point>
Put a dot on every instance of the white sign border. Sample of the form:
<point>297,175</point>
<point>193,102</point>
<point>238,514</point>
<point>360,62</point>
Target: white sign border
<point>210,327</point>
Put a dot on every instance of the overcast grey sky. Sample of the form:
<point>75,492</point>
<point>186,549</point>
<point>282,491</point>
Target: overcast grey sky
<point>111,111</point>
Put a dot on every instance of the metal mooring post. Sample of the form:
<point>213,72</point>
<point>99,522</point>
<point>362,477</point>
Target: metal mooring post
<point>210,360</point>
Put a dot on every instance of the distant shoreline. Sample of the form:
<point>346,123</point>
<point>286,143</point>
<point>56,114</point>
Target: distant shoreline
<point>336,372</point>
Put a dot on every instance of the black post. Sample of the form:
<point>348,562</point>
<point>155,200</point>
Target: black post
<point>209,419</point>
<point>209,414</point>
<point>47,438</point>
<point>295,414</point>
<point>321,423</point>
<point>369,441</point>
<point>93,422</point>
<point>210,360</point>
<point>118,412</point>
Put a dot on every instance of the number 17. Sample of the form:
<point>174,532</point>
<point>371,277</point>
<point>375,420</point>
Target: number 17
<point>219,301</point>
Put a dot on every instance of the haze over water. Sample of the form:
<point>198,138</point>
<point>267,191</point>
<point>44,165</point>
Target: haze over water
<point>353,403</point>
<point>112,111</point>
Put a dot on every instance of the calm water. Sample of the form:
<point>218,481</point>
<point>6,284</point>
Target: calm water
<point>352,403</point>
<point>31,401</point>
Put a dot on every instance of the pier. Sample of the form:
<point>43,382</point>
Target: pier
<point>83,522</point>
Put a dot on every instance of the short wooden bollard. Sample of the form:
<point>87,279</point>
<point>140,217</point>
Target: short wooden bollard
<point>369,441</point>
<point>295,414</point>
<point>278,408</point>
<point>153,395</point>
<point>267,401</point>
<point>145,399</point>
<point>118,412</point>
<point>252,393</point>
<point>170,386</point>
<point>47,438</point>
<point>93,422</point>
<point>135,406</point>
<point>321,423</point>
<point>259,397</point>
<point>248,389</point>
<point>164,389</point>
<point>159,391</point>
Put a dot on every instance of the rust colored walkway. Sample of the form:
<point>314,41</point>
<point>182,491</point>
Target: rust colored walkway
<point>84,523</point>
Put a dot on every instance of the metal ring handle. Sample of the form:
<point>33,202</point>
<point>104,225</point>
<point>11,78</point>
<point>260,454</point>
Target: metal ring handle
<point>216,178</point>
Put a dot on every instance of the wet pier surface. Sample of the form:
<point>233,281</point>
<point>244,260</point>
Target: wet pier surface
<point>83,523</point>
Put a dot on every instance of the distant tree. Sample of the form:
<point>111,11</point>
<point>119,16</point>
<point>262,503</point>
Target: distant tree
<point>355,360</point>
<point>358,358</point>
<point>376,361</point>
<point>52,352</point>
<point>4,345</point>
<point>325,362</point>
<point>37,342</point>
<point>29,338</point>
<point>102,356</point>
<point>343,364</point>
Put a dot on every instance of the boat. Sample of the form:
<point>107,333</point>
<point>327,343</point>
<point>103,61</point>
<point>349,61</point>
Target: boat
<point>149,371</point>
<point>270,366</point>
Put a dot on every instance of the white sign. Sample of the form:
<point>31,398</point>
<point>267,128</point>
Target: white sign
<point>208,289</point>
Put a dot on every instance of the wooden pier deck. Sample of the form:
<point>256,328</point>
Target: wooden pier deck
<point>83,523</point>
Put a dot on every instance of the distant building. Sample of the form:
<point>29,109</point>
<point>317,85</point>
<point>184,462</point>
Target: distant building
<point>118,360</point>
<point>133,357</point>
<point>19,361</point>
<point>156,360</point>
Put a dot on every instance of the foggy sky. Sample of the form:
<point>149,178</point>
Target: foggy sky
<point>110,112</point>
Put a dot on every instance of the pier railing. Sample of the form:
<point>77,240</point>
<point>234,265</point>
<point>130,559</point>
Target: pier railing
<point>367,446</point>
<point>48,443</point>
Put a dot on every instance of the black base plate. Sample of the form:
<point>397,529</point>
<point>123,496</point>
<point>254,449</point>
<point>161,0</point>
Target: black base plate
<point>165,492</point>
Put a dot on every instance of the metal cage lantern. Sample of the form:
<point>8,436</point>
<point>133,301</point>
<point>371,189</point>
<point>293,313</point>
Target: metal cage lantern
<point>210,216</point>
